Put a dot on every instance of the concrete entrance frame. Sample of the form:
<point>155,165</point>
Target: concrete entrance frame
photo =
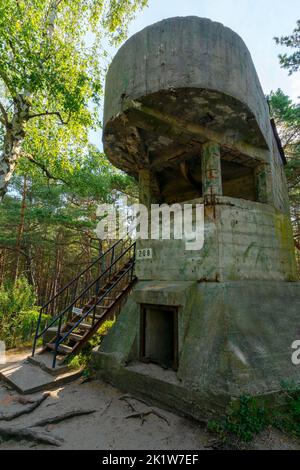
<point>159,335</point>
<point>186,116</point>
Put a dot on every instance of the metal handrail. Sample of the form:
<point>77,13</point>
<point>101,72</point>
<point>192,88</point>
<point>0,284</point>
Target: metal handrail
<point>80,274</point>
<point>82,293</point>
<point>59,341</point>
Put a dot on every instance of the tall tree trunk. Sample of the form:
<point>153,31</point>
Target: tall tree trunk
<point>2,265</point>
<point>57,268</point>
<point>13,139</point>
<point>30,267</point>
<point>21,229</point>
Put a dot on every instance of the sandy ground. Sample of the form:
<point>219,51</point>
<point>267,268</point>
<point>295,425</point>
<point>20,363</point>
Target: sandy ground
<point>108,427</point>
<point>112,426</point>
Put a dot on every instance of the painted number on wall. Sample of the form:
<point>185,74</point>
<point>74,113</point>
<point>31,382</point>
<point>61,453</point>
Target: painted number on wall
<point>145,253</point>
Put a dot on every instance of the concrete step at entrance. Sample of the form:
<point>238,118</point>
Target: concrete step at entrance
<point>62,348</point>
<point>44,361</point>
<point>27,377</point>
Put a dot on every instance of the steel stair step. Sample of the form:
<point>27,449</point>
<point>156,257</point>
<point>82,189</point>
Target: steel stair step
<point>105,306</point>
<point>101,307</point>
<point>62,348</point>
<point>110,288</point>
<point>76,337</point>
<point>122,290</point>
<point>84,326</point>
<point>98,317</point>
<point>103,300</point>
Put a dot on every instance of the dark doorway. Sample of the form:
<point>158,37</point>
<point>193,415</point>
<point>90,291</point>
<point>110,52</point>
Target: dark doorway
<point>159,333</point>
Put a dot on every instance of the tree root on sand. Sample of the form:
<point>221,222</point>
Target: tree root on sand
<point>142,415</point>
<point>63,417</point>
<point>25,411</point>
<point>29,435</point>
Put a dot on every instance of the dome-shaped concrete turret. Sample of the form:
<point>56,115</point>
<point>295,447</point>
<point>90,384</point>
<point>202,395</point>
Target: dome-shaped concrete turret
<point>176,74</point>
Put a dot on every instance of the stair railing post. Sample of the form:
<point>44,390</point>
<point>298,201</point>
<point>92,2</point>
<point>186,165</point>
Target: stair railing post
<point>133,261</point>
<point>57,342</point>
<point>37,332</point>
<point>73,296</point>
<point>76,289</point>
<point>94,313</point>
<point>111,260</point>
<point>134,253</point>
<point>97,285</point>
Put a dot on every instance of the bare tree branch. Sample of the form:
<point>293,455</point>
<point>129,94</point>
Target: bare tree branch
<point>63,417</point>
<point>27,410</point>
<point>50,113</point>
<point>44,169</point>
<point>30,435</point>
<point>19,8</point>
<point>13,249</point>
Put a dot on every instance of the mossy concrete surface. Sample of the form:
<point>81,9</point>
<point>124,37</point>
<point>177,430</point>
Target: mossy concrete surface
<point>186,116</point>
<point>243,240</point>
<point>234,338</point>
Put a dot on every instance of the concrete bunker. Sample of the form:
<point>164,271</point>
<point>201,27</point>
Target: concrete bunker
<point>186,116</point>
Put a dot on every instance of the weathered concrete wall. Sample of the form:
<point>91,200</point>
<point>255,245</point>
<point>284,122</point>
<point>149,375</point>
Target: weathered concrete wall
<point>255,242</point>
<point>279,186</point>
<point>242,337</point>
<point>243,240</point>
<point>242,187</point>
<point>172,294</point>
<point>185,52</point>
<point>123,339</point>
<point>235,338</point>
<point>197,71</point>
<point>182,102</point>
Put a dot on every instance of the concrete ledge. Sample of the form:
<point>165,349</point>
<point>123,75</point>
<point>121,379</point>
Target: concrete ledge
<point>146,382</point>
<point>44,361</point>
<point>172,293</point>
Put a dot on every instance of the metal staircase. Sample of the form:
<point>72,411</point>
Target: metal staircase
<point>85,303</point>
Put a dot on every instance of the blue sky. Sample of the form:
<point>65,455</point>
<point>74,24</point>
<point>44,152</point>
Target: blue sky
<point>256,21</point>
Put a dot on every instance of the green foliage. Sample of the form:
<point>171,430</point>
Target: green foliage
<point>287,118</point>
<point>45,49</point>
<point>289,422</point>
<point>82,359</point>
<point>103,330</point>
<point>283,109</point>
<point>287,419</point>
<point>292,61</point>
<point>18,313</point>
<point>245,419</point>
<point>59,223</point>
<point>53,59</point>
